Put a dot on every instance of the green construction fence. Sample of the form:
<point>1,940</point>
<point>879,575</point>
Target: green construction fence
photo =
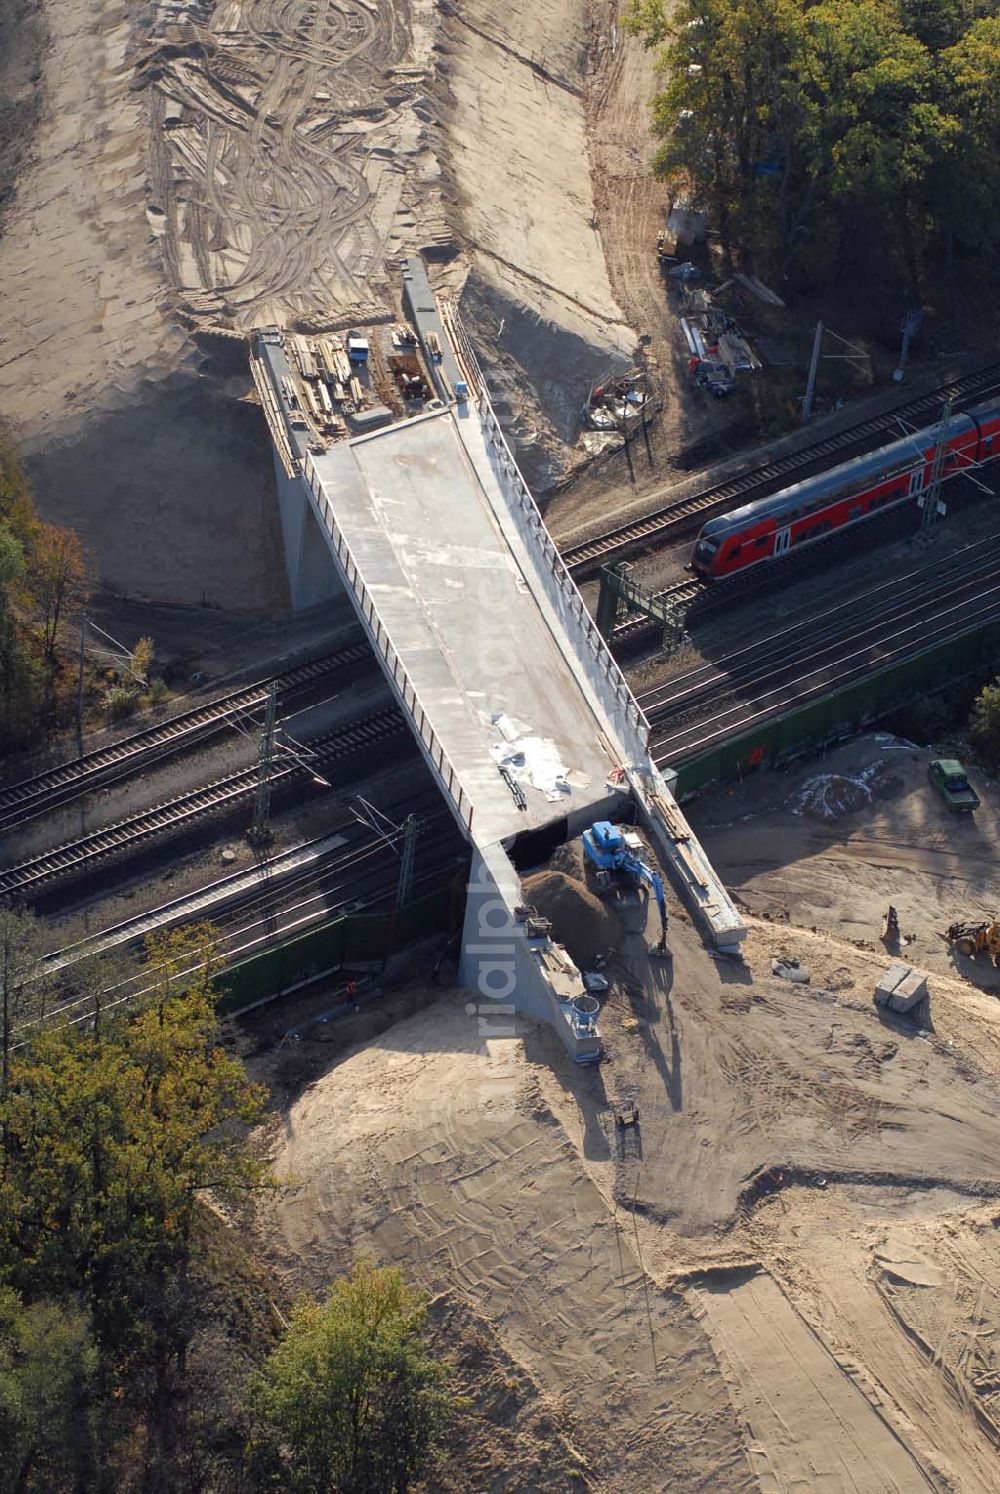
<point>839,714</point>
<point>351,939</point>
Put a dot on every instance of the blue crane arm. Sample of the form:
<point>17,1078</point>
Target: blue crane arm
<point>654,882</point>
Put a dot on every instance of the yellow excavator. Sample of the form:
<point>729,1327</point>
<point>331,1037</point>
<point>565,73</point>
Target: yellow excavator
<point>976,940</point>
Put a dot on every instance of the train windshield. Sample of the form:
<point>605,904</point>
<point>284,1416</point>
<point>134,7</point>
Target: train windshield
<point>704,550</point>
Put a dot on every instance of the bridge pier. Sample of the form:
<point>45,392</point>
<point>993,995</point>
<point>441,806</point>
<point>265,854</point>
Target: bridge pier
<point>311,570</point>
<point>511,967</point>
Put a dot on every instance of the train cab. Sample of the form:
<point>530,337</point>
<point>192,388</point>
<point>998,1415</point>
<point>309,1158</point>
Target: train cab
<point>703,555</point>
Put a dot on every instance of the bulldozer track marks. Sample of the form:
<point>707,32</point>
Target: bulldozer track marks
<point>764,1090</point>
<point>262,160</point>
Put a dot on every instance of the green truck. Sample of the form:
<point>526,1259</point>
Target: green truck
<point>952,783</point>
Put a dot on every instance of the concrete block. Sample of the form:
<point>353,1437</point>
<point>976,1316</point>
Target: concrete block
<point>901,988</point>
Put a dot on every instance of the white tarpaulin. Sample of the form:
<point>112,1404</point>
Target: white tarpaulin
<point>529,759</point>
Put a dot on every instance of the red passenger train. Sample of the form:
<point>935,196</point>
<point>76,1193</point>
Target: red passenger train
<point>848,494</point>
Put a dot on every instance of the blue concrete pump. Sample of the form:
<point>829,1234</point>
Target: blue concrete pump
<point>615,853</point>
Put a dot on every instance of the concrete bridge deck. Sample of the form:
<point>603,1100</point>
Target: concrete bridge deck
<point>520,710</point>
<point>429,544</point>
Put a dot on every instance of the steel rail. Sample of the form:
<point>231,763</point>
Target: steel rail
<point>361,877</point>
<point>963,616</point>
<point>916,588</point>
<point>280,869</point>
<point>673,520</point>
<point>822,657</point>
<point>177,813</point>
<point>81,1009</point>
<point>702,598</point>
<point>61,785</point>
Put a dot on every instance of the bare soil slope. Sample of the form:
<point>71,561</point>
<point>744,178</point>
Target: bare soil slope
<point>432,1150</point>
<point>787,1277</point>
<point>135,433</point>
<point>545,316</point>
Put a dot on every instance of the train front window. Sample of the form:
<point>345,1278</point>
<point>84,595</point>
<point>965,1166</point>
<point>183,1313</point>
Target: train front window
<point>704,551</point>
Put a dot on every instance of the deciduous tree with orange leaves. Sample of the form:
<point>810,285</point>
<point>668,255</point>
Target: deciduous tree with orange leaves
<point>43,580</point>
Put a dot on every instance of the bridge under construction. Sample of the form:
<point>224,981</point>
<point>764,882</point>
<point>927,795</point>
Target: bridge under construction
<point>519,709</point>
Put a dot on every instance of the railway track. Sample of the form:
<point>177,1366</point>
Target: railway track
<point>56,787</point>
<point>675,520</point>
<point>129,834</point>
<point>698,599</point>
<point>705,706</point>
<point>360,875</point>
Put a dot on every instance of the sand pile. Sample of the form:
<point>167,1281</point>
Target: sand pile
<point>580,921</point>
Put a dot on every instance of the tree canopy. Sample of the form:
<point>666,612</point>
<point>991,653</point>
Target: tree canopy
<point>350,1401</point>
<point>984,725</point>
<point>111,1137</point>
<point>832,137</point>
<point>43,578</point>
<point>135,1329</point>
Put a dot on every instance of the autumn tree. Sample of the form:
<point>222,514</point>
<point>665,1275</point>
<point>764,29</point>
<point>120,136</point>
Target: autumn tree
<point>42,576</point>
<point>11,658</point>
<point>972,68</point>
<point>24,986</point>
<point>46,1371</point>
<point>142,658</point>
<point>351,1402</point>
<point>113,1137</point>
<point>58,580</point>
<point>984,726</point>
<point>831,135</point>
<point>16,508</point>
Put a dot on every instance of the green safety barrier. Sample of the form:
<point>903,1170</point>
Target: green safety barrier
<point>352,939</point>
<point>839,714</point>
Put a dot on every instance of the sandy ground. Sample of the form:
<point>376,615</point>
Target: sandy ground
<point>537,294</point>
<point>436,1147</point>
<point>788,1278</point>
<point>134,433</point>
<point>629,210</point>
<point>519,157</point>
<point>289,155</point>
<point>195,174</point>
<point>199,171</point>
<point>933,866</point>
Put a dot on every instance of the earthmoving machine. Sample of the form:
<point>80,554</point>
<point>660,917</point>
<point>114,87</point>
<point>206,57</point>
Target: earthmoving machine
<point>977,940</point>
<point>617,853</point>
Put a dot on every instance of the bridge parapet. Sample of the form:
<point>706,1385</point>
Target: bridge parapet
<point>394,669</point>
<point>589,649</point>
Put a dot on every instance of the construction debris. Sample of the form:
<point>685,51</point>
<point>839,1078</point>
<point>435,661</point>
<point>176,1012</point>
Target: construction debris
<point>759,289</point>
<point>619,402</point>
<point>890,926</point>
<point>901,988</point>
<point>791,970</point>
<point>718,347</point>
